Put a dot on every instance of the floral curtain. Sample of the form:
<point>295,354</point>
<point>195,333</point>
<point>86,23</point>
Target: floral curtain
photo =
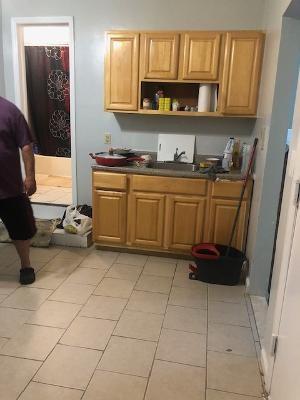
<point>48,92</point>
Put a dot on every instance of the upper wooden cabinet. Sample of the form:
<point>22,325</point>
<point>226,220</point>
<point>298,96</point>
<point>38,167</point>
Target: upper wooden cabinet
<point>200,52</point>
<point>159,55</point>
<point>138,63</point>
<point>121,72</point>
<point>242,67</point>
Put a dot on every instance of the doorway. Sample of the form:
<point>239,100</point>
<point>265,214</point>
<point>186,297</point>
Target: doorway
<point>284,382</point>
<point>44,91</point>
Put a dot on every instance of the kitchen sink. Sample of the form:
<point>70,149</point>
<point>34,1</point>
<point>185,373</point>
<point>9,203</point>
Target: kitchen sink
<point>174,166</point>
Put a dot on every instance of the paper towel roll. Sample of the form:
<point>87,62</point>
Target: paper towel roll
<point>204,97</point>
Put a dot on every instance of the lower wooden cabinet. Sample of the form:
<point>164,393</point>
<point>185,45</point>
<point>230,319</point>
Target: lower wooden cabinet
<point>167,214</point>
<point>185,224</point>
<point>109,224</point>
<point>222,214</point>
<point>146,225</point>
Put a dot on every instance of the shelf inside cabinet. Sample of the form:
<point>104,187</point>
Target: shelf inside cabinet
<point>182,113</point>
<point>186,93</point>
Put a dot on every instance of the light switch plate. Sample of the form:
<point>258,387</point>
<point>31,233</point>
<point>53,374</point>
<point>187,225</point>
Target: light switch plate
<point>167,145</point>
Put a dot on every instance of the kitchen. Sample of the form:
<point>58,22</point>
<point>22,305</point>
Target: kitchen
<point>165,194</point>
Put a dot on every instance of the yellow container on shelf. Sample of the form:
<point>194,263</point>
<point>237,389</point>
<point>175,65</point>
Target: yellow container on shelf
<point>161,104</point>
<point>167,104</point>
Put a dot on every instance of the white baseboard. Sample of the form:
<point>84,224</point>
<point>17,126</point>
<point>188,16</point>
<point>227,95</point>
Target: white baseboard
<point>264,360</point>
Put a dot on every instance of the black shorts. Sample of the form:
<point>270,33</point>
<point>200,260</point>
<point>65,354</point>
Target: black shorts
<point>17,216</point>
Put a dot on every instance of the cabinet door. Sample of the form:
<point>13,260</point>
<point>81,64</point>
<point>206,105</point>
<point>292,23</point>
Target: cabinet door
<point>242,69</point>
<point>147,219</point>
<point>185,221</point>
<point>159,55</point>
<point>201,51</point>
<point>109,216</point>
<point>222,214</point>
<point>121,73</point>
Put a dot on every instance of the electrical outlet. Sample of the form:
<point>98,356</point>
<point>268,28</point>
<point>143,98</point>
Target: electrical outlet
<point>107,138</point>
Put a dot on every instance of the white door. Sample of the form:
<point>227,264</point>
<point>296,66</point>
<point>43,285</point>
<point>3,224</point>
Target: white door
<point>286,382</point>
<point>281,371</point>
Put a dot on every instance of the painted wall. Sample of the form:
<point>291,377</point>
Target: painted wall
<point>278,89</point>
<point>1,55</point>
<point>92,18</point>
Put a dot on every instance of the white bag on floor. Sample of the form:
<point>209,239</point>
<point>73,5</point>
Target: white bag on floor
<point>75,222</point>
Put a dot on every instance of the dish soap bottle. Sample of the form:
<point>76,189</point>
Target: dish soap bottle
<point>227,155</point>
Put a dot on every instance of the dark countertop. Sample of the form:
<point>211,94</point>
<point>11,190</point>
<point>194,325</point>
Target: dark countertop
<point>232,176</point>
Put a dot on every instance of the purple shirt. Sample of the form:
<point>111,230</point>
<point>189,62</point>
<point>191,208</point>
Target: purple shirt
<point>14,135</point>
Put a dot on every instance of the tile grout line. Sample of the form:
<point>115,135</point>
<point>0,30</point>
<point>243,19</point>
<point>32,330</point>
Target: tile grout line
<point>36,261</point>
<point>65,329</point>
<point>102,352</point>
<point>157,343</point>
<point>96,369</point>
<point>32,379</point>
<point>207,333</point>
<point>250,310</point>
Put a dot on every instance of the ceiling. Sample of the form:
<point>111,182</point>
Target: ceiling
<point>293,10</point>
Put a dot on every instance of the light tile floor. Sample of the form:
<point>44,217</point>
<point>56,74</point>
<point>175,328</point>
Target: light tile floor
<point>102,325</point>
<point>53,189</point>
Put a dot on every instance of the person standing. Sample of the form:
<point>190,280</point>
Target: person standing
<point>15,208</point>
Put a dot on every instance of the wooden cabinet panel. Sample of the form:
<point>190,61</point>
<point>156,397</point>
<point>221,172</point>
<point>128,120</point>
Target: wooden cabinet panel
<point>159,55</point>
<point>231,190</point>
<point>200,55</point>
<point>109,219</point>
<point>243,58</point>
<point>121,74</point>
<point>147,211</point>
<point>222,214</point>
<point>107,180</point>
<point>185,221</point>
<point>161,184</point>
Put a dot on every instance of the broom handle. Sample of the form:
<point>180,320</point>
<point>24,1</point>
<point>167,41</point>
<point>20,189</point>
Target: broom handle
<point>242,195</point>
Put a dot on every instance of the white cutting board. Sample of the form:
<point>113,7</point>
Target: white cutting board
<point>167,145</point>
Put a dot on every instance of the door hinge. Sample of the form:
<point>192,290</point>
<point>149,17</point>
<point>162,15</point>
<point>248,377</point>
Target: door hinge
<point>297,194</point>
<point>274,346</point>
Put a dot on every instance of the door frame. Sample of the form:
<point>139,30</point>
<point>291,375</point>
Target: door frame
<point>283,250</point>
<point>16,25</point>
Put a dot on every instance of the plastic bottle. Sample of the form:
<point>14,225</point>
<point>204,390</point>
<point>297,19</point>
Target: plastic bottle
<point>227,155</point>
<point>158,95</point>
<point>246,149</point>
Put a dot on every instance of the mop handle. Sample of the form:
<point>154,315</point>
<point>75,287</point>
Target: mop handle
<point>242,194</point>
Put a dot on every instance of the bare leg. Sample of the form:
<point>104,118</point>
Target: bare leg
<point>22,247</point>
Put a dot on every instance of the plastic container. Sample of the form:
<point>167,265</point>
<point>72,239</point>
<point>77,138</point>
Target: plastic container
<point>227,155</point>
<point>213,266</point>
<point>246,151</point>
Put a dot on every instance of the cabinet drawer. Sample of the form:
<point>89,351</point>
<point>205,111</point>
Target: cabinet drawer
<point>230,190</point>
<point>107,180</point>
<point>169,185</point>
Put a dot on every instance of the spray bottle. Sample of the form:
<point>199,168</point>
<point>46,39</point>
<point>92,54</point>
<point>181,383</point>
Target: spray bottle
<point>227,155</point>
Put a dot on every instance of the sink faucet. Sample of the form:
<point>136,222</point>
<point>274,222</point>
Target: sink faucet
<point>178,156</point>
